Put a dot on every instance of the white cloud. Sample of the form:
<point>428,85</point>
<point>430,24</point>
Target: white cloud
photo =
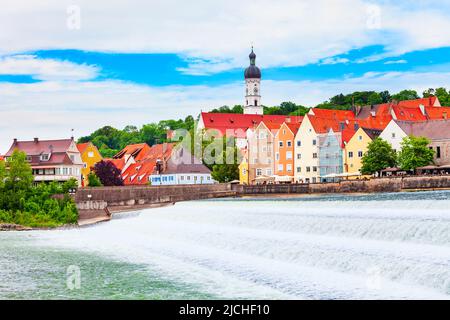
<point>50,109</point>
<point>219,33</point>
<point>396,62</point>
<point>45,69</point>
<point>333,60</point>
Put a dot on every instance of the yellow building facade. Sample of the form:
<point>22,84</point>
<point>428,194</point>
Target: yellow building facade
<point>356,148</point>
<point>243,171</point>
<point>90,156</point>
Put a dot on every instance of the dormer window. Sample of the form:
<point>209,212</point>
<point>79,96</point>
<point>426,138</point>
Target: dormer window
<point>45,157</point>
<point>29,158</point>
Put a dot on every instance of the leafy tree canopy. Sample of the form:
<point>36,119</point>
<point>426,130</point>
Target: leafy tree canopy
<point>415,153</point>
<point>108,174</point>
<point>379,156</point>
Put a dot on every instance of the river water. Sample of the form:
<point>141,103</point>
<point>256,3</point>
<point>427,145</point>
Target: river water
<point>380,246</point>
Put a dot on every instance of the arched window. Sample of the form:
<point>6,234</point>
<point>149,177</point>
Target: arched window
<point>256,103</point>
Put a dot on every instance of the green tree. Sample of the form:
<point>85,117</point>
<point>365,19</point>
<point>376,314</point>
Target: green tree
<point>93,180</point>
<point>443,96</point>
<point>379,156</point>
<point>20,176</point>
<point>415,153</point>
<point>374,98</point>
<point>406,95</point>
<point>2,174</point>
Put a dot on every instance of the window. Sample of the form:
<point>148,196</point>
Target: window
<point>299,169</point>
<point>438,152</point>
<point>90,154</point>
<point>269,172</point>
<point>360,154</point>
<point>360,138</point>
<point>314,155</point>
<point>29,158</point>
<point>314,180</point>
<point>277,156</point>
<point>244,171</point>
<point>299,155</point>
<point>58,171</point>
<point>258,172</point>
<point>299,143</point>
<point>72,158</point>
<point>289,143</point>
<point>44,157</point>
<point>314,142</point>
<point>65,171</point>
<point>281,144</point>
<point>284,131</point>
<point>342,125</point>
<point>393,134</point>
<point>314,169</point>
<point>289,167</point>
<point>256,103</point>
<point>280,167</point>
<point>350,154</point>
<point>188,178</point>
<point>308,169</point>
<point>289,155</point>
<point>182,178</point>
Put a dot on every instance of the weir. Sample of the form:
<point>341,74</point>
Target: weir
<point>97,204</point>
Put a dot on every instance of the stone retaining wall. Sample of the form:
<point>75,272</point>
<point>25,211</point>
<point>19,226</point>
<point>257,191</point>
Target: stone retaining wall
<point>110,197</point>
<point>394,184</point>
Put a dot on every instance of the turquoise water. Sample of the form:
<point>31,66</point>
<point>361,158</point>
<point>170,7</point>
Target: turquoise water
<point>380,246</point>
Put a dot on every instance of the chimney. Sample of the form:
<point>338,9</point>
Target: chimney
<point>15,141</point>
<point>288,120</point>
<point>36,140</point>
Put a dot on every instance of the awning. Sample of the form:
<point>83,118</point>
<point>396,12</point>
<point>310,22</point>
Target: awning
<point>264,178</point>
<point>430,167</point>
<point>390,170</point>
<point>284,178</point>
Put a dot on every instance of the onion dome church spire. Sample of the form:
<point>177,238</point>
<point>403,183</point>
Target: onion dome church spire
<point>252,75</point>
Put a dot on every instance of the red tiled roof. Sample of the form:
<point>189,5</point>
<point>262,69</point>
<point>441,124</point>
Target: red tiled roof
<point>139,151</point>
<point>408,113</point>
<point>38,147</point>
<point>82,146</point>
<point>235,124</point>
<point>436,113</point>
<point>138,173</point>
<point>57,149</point>
<point>119,163</point>
<point>334,114</point>
<point>427,102</point>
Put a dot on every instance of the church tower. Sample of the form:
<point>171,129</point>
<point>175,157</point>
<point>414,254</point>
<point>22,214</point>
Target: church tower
<point>252,87</point>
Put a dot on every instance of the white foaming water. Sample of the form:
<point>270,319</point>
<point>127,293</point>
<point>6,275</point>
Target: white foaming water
<point>340,249</point>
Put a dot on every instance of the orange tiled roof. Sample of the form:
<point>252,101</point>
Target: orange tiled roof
<point>82,146</point>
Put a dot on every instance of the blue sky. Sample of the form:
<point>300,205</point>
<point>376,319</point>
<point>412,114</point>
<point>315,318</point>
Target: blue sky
<point>81,64</point>
<point>164,69</point>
